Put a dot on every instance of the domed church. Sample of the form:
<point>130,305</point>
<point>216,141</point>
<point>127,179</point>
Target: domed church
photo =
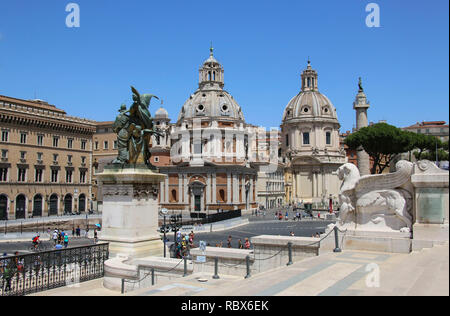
<point>208,167</point>
<point>310,141</point>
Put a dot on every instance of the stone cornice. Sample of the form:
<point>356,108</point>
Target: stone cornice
<point>57,122</point>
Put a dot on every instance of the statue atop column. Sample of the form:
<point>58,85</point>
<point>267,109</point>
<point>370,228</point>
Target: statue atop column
<point>134,128</point>
<point>361,89</point>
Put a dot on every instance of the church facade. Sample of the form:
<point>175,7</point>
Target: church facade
<point>311,144</point>
<point>204,155</point>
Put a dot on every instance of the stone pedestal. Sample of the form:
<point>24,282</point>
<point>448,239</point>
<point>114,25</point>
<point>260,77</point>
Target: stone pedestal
<point>130,211</point>
<point>431,205</point>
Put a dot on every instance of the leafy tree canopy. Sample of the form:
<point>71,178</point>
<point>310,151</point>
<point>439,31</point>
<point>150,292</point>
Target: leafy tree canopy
<point>382,142</point>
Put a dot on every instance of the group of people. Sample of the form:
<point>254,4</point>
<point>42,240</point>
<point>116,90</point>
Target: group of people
<point>280,216</point>
<point>60,239</point>
<point>184,244</point>
<point>241,245</point>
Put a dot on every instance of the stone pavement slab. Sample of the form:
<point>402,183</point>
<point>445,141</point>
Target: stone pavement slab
<point>424,273</point>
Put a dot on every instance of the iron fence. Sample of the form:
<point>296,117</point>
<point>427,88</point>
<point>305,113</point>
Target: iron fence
<point>37,272</point>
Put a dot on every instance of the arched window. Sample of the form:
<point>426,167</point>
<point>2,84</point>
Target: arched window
<point>82,203</point>
<point>53,210</point>
<point>20,206</point>
<point>37,206</point>
<point>209,76</point>
<point>214,76</point>
<point>68,204</point>
<point>3,208</point>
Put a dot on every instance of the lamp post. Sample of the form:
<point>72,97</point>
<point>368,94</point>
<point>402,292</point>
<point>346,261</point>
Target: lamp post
<point>164,212</point>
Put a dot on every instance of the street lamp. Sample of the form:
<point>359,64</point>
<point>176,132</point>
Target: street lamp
<point>164,212</point>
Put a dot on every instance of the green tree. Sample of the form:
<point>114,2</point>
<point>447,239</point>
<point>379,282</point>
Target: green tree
<point>425,143</point>
<point>382,142</point>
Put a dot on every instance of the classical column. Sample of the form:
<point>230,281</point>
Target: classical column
<point>186,189</point>
<point>214,182</point>
<point>243,189</point>
<point>294,186</point>
<point>361,106</point>
<point>251,195</point>
<point>228,187</point>
<point>208,188</point>
<point>166,189</point>
<point>161,193</point>
<point>313,183</point>
<point>235,189</point>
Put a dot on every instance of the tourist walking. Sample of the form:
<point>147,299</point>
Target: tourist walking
<point>66,240</point>
<point>229,241</point>
<point>7,276</point>
<point>240,245</point>
<point>55,237</point>
<point>247,243</point>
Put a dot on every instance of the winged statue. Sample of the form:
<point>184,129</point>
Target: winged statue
<point>134,128</point>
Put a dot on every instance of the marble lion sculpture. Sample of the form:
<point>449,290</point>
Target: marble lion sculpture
<point>377,202</point>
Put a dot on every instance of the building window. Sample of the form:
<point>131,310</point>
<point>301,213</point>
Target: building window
<point>306,139</point>
<point>39,156</point>
<point>156,159</point>
<point>287,140</point>
<point>96,145</point>
<point>105,145</point>
<point>23,138</point>
<point>55,141</point>
<point>82,177</point>
<point>70,143</point>
<point>54,176</point>
<point>4,154</point>
<point>5,135</point>
<point>83,160</point>
<point>55,157</point>
<point>115,144</point>
<point>328,138</point>
<point>222,195</point>
<point>3,174</point>
<point>69,159</point>
<point>174,196</point>
<point>22,175</point>
<point>69,176</point>
<point>83,145</point>
<point>40,140</point>
<point>38,175</point>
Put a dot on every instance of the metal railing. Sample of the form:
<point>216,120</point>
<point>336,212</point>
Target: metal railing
<point>289,247</point>
<point>37,272</point>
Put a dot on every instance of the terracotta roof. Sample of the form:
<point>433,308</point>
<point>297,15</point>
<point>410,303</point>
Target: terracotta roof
<point>427,125</point>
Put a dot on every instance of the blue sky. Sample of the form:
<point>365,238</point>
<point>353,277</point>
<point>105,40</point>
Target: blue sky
<point>158,46</point>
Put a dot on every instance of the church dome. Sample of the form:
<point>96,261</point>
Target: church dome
<point>211,104</point>
<point>310,103</point>
<point>211,100</point>
<point>162,113</point>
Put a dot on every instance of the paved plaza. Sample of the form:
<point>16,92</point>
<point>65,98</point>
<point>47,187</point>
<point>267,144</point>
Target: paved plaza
<point>344,274</point>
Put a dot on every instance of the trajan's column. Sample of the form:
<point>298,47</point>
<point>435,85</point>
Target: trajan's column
<point>361,105</point>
